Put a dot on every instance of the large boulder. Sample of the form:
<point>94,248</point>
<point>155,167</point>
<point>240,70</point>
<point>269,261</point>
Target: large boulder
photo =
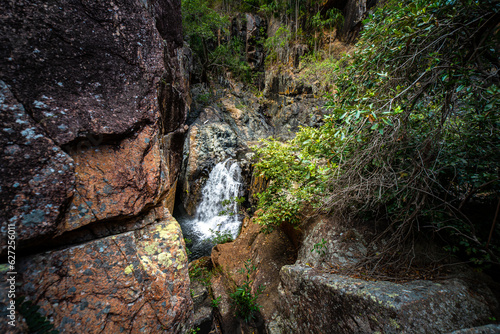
<point>269,253</point>
<point>97,93</point>
<point>313,301</point>
<point>126,178</point>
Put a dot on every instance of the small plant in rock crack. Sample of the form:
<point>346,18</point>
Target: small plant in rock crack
<point>215,302</point>
<point>320,247</point>
<point>189,243</point>
<point>193,330</point>
<point>242,299</point>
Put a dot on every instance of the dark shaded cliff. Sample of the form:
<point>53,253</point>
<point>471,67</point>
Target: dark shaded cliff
<point>93,105</point>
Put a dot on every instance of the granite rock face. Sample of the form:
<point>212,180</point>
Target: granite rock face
<point>350,305</point>
<point>37,176</point>
<point>125,179</point>
<point>134,282</point>
<point>316,295</point>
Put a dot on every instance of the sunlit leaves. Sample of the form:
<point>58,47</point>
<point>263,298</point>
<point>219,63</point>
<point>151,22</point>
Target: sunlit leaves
<point>422,92</point>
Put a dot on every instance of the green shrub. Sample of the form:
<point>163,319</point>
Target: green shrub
<point>215,302</point>
<point>220,237</point>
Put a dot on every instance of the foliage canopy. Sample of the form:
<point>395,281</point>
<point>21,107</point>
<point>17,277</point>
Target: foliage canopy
<point>414,134</point>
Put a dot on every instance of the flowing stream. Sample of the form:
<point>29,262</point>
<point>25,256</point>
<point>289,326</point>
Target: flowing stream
<point>218,194</point>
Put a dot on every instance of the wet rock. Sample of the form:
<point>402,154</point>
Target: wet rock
<point>208,142</point>
<point>203,312</point>
<point>225,123</point>
<point>351,305</point>
<point>291,103</point>
<point>132,282</point>
<point>37,176</point>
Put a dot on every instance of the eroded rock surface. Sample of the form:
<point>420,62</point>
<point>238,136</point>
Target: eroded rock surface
<point>93,105</point>
<point>351,305</point>
<point>135,282</point>
<point>37,176</point>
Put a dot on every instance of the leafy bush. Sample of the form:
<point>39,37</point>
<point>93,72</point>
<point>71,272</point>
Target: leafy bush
<point>320,247</point>
<point>414,132</point>
<point>220,237</point>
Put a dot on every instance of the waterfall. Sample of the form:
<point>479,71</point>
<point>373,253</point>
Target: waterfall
<point>223,185</point>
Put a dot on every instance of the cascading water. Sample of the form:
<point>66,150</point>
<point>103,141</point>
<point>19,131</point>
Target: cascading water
<point>223,186</point>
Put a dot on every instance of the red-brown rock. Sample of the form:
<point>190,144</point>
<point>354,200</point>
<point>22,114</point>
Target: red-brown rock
<point>82,67</point>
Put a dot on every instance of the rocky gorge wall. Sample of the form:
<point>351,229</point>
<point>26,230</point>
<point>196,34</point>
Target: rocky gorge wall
<point>93,101</point>
<point>305,289</point>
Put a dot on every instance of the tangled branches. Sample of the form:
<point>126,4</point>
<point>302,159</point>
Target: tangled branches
<point>414,133</point>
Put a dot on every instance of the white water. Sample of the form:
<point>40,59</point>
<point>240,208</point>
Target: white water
<point>224,183</point>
